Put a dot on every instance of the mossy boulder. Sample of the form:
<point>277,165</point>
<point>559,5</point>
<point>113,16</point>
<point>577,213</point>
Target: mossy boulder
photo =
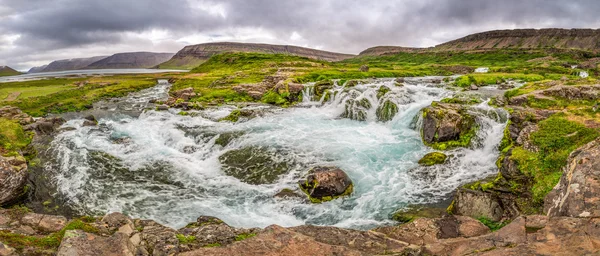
<point>320,88</point>
<point>386,111</point>
<point>382,91</point>
<point>225,138</point>
<point>433,158</point>
<point>357,109</point>
<point>325,184</point>
<point>253,165</point>
<point>413,212</point>
<point>447,126</point>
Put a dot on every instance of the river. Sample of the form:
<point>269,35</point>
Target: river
<point>164,166</point>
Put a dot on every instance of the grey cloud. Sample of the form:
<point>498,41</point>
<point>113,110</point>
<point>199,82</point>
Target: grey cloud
<point>49,26</point>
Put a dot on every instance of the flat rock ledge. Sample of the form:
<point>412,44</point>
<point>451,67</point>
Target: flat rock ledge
<point>117,234</point>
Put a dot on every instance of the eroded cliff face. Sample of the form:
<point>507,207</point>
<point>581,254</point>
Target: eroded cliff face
<point>582,39</point>
<point>193,55</point>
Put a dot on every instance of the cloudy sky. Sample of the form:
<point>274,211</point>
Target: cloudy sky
<point>35,32</point>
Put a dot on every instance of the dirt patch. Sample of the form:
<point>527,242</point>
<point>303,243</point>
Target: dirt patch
<point>12,96</point>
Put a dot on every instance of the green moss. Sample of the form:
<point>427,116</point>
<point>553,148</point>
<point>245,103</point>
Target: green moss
<point>183,113</point>
<point>12,137</point>
<point>382,91</point>
<point>244,236</point>
<point>386,111</point>
<point>493,225</point>
<point>233,117</point>
<point>433,158</point>
<point>316,200</point>
<point>272,97</point>
<point>556,138</point>
<point>183,239</point>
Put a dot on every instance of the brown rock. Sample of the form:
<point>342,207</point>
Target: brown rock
<point>368,242</point>
<point>77,242</point>
<point>445,122</point>
<point>6,250</point>
<point>13,179</point>
<point>326,182</point>
<point>43,222</point>
<point>275,241</point>
<point>210,231</point>
<point>364,68</point>
<point>477,204</point>
<point>578,192</point>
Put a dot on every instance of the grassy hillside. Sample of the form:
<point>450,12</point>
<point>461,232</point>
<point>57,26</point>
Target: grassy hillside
<point>8,71</point>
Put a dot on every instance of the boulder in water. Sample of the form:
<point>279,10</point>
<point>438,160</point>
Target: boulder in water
<point>433,158</point>
<point>386,111</point>
<point>90,120</point>
<point>325,184</point>
<point>253,165</point>
<point>473,87</point>
<point>321,88</point>
<point>447,125</point>
<point>382,91</point>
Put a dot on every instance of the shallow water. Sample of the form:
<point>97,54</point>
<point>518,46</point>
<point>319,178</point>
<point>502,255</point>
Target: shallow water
<point>87,72</point>
<point>164,166</point>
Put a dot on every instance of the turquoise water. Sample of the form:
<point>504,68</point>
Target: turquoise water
<point>164,166</point>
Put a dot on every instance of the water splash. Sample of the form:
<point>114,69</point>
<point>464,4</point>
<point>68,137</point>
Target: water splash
<point>164,166</point>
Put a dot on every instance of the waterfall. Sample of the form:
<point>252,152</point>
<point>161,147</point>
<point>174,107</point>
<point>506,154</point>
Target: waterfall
<point>166,167</point>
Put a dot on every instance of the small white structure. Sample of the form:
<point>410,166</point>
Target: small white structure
<point>583,74</point>
<point>482,70</point>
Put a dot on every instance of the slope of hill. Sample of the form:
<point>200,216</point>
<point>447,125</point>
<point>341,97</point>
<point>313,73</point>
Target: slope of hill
<point>8,71</point>
<point>37,69</point>
<point>71,64</point>
<point>131,60</point>
<point>580,39</point>
<point>194,55</point>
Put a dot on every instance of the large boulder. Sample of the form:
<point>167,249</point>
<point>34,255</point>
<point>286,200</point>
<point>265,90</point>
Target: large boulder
<point>477,204</point>
<point>78,242</point>
<point>447,125</point>
<point>211,231</point>
<point>325,184</point>
<point>578,192</point>
<point>14,113</point>
<point>253,165</point>
<point>13,178</point>
<point>320,88</point>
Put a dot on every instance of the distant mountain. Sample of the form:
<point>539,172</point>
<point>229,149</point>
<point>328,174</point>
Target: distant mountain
<point>71,64</point>
<point>131,60</point>
<point>194,55</point>
<point>8,71</point>
<point>581,39</point>
<point>37,69</point>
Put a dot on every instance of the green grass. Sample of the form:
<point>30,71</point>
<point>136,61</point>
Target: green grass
<point>556,138</point>
<point>183,239</point>
<point>494,78</point>
<point>244,236</point>
<point>493,225</point>
<point>75,99</point>
<point>12,137</point>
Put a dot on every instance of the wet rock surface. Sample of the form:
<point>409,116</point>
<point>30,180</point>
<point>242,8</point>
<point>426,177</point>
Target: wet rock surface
<point>443,122</point>
<point>326,183</point>
<point>253,165</point>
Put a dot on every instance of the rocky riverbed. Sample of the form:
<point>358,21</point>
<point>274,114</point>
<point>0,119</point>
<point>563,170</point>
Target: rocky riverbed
<point>268,175</point>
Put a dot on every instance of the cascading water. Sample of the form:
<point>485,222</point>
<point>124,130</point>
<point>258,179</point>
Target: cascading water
<point>165,166</point>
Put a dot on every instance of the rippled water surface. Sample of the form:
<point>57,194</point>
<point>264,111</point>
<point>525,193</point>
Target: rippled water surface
<point>165,166</point>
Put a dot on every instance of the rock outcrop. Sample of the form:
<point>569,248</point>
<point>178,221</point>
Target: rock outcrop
<point>447,125</point>
<point>578,192</point>
<point>325,184</point>
<point>13,178</point>
<point>194,55</point>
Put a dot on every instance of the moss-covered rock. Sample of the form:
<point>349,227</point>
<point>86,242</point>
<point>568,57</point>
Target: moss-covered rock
<point>356,109</point>
<point>382,91</point>
<point>225,138</point>
<point>433,158</point>
<point>325,184</point>
<point>321,87</point>
<point>253,165</point>
<point>447,126</point>
<point>386,111</point>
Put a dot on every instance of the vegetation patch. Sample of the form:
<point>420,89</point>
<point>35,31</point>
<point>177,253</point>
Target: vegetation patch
<point>493,225</point>
<point>433,158</point>
<point>13,138</point>
<point>244,236</point>
<point>183,239</point>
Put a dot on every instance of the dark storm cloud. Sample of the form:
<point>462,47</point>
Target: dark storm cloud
<point>45,29</point>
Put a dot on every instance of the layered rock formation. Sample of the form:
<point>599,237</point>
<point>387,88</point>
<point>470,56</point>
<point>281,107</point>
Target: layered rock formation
<point>194,55</point>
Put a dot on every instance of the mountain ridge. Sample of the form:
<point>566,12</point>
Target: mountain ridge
<point>8,71</point>
<point>194,55</point>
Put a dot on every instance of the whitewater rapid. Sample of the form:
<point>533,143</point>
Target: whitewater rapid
<point>164,166</point>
